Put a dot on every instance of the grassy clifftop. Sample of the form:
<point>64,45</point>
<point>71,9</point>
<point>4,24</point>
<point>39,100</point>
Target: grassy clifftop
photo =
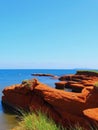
<point>87,72</point>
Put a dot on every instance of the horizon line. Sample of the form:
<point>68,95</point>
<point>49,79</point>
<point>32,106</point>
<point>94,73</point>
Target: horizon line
<point>48,68</point>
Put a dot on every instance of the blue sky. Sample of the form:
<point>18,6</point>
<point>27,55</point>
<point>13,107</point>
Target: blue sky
<point>49,34</point>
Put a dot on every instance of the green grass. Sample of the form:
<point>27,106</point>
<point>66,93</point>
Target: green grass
<point>27,83</point>
<point>37,121</point>
<point>94,71</point>
<point>40,121</point>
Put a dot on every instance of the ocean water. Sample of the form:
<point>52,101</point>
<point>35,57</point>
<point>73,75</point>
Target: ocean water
<point>12,76</point>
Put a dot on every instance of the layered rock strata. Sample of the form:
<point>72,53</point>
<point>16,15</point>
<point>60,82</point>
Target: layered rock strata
<point>64,107</point>
<point>77,81</point>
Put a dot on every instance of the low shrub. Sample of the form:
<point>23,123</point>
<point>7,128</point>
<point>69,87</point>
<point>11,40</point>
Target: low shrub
<point>96,84</point>
<point>27,83</point>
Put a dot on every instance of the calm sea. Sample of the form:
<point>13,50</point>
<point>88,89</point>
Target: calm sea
<point>9,77</point>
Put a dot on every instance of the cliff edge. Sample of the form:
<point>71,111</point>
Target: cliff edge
<point>64,107</point>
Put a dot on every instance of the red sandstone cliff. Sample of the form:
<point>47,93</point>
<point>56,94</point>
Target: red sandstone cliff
<point>64,107</point>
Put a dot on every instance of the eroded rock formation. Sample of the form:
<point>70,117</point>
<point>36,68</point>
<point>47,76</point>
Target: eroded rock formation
<point>64,107</point>
<point>77,81</point>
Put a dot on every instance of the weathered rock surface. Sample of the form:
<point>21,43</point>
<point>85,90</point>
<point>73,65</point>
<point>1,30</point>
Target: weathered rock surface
<point>64,107</point>
<point>61,85</point>
<point>77,81</point>
<point>87,73</point>
<point>91,113</point>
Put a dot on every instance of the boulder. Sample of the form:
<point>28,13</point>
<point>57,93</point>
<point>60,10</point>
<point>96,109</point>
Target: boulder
<point>76,87</point>
<point>61,85</point>
<point>91,114</point>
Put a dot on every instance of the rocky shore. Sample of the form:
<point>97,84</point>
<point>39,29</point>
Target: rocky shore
<point>80,105</point>
<point>41,74</point>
